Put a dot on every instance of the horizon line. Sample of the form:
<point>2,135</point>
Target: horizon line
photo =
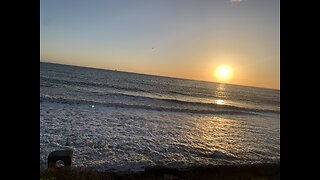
<point>43,61</point>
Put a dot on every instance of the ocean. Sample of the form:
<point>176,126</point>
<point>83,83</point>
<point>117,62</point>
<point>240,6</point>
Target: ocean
<point>116,120</point>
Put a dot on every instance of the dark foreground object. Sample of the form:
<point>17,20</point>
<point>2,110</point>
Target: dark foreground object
<point>63,155</point>
<point>257,171</point>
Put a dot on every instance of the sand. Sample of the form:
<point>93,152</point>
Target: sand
<point>256,171</point>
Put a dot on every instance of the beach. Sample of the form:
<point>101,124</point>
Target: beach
<point>257,171</point>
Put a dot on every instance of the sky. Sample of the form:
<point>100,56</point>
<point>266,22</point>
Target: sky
<point>176,38</point>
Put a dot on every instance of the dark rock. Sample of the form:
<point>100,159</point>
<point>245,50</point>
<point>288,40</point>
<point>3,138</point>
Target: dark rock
<point>63,155</point>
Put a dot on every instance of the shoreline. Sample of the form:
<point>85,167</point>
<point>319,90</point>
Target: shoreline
<point>249,171</point>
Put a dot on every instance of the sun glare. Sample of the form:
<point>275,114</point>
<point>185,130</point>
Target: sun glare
<point>223,73</point>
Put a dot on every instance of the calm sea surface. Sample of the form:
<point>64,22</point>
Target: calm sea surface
<point>118,120</point>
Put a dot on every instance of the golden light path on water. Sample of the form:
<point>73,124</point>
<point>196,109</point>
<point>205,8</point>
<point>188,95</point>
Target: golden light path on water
<point>221,94</point>
<point>220,101</point>
<point>218,137</point>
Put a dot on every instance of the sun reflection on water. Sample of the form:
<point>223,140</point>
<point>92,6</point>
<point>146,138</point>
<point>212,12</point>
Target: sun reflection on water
<point>220,93</point>
<point>220,101</point>
<point>218,137</point>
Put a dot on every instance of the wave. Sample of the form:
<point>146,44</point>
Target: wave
<point>52,82</point>
<point>174,106</point>
<point>86,84</point>
<point>193,103</point>
<point>49,82</point>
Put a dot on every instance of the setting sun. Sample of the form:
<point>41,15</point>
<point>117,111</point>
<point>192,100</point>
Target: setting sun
<point>223,73</point>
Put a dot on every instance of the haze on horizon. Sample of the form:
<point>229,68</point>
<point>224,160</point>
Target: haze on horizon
<point>175,38</point>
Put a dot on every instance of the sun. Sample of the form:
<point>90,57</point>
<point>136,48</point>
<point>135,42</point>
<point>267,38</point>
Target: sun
<point>223,73</point>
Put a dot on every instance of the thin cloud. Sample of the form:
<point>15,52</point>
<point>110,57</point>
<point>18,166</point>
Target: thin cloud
<point>236,1</point>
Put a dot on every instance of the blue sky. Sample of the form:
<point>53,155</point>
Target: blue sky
<point>178,38</point>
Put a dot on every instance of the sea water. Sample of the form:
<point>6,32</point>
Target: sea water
<point>116,120</point>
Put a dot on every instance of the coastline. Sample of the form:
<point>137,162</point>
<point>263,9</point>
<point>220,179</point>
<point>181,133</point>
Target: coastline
<point>250,171</point>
